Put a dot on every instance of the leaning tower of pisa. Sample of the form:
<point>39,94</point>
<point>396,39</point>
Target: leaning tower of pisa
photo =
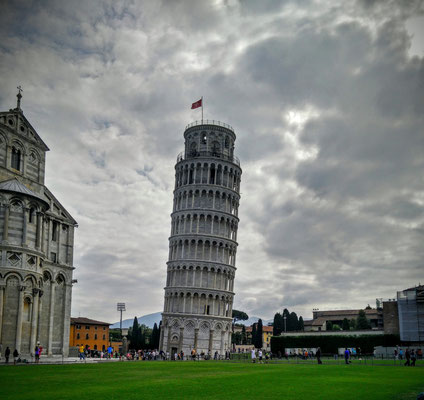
<point>199,288</point>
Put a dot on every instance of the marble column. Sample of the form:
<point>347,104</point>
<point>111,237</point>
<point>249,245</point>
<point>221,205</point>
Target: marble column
<point>38,231</point>
<point>25,226</point>
<point>168,344</point>
<point>51,316</point>
<point>180,342</point>
<point>40,306</point>
<point>2,291</point>
<point>59,229</point>
<point>34,319</point>
<point>6,223</point>
<point>222,342</point>
<point>196,337</point>
<point>211,340</point>
<point>18,336</point>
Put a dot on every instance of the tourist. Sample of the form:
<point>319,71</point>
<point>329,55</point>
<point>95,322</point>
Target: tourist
<point>81,353</point>
<point>260,356</point>
<point>7,355</point>
<point>15,356</point>
<point>37,354</point>
<point>400,354</point>
<point>193,354</point>
<point>318,354</point>
<point>413,358</point>
<point>408,358</point>
<point>215,356</point>
<point>253,355</point>
<point>347,356</point>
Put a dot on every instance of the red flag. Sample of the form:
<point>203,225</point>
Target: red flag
<point>197,104</point>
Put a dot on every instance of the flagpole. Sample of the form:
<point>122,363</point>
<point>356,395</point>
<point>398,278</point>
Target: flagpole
<point>202,110</point>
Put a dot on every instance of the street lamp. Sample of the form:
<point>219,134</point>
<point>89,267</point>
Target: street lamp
<point>285,327</point>
<point>120,307</point>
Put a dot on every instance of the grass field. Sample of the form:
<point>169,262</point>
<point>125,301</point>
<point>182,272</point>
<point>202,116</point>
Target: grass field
<point>209,380</point>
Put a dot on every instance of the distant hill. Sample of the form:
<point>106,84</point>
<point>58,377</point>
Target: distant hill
<point>150,319</point>
<point>252,320</point>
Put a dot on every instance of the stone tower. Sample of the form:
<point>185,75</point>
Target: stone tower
<point>202,246</point>
<point>36,245</point>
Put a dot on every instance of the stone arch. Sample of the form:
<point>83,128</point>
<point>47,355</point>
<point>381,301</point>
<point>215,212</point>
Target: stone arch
<point>60,279</point>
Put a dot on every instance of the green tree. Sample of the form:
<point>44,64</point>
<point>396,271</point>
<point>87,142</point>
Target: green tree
<point>134,336</point>
<point>155,337</point>
<point>328,326</point>
<point>300,325</point>
<point>236,338</point>
<point>352,324</point>
<point>292,322</point>
<point>336,327</point>
<point>278,325</point>
<point>239,316</point>
<point>115,335</point>
<point>259,335</point>
<point>361,321</point>
<point>243,335</point>
<point>253,341</point>
<point>345,324</point>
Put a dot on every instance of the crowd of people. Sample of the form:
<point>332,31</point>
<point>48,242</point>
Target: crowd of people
<point>411,356</point>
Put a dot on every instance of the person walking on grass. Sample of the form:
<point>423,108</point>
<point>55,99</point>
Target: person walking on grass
<point>347,356</point>
<point>318,354</point>
<point>408,358</point>
<point>260,356</point>
<point>413,358</point>
<point>253,355</point>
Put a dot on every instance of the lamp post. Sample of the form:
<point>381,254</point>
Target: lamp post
<point>120,307</point>
<point>285,319</point>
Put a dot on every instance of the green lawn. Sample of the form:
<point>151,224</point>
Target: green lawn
<point>209,380</point>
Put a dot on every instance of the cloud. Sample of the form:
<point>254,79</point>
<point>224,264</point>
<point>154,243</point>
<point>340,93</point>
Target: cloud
<point>326,100</point>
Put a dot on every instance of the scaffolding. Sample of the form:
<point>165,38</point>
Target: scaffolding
<point>411,314</point>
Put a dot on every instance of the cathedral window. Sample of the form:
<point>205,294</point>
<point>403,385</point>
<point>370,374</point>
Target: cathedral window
<point>16,159</point>
<point>54,231</point>
<point>227,143</point>
<point>204,137</point>
<point>78,336</point>
<point>53,257</point>
<point>31,215</point>
<point>86,336</point>
<point>95,336</point>
<point>104,337</point>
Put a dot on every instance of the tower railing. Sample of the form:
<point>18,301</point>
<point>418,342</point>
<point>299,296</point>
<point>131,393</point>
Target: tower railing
<point>209,122</point>
<point>212,154</point>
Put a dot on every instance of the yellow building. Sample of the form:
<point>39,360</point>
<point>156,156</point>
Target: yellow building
<point>88,332</point>
<point>266,336</point>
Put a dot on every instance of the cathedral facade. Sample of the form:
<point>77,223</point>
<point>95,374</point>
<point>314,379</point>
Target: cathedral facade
<point>37,243</point>
<point>201,268</point>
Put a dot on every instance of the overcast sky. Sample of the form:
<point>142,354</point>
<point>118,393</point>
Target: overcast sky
<point>326,99</point>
